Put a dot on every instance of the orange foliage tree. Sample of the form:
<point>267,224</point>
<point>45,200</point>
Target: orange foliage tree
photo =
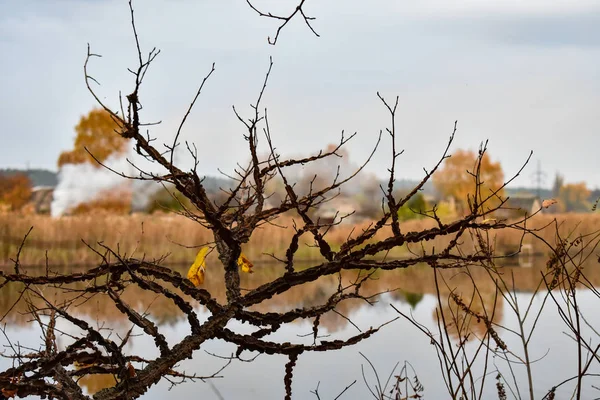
<point>15,191</point>
<point>456,178</point>
<point>96,133</point>
<point>115,201</point>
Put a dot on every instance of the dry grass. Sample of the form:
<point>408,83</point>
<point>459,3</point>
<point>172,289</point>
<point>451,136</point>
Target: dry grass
<point>63,238</point>
<point>154,236</point>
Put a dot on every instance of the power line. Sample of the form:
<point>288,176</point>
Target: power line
<point>538,177</point>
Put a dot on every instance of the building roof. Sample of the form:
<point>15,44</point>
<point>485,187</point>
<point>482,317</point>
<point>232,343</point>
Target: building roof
<point>525,202</point>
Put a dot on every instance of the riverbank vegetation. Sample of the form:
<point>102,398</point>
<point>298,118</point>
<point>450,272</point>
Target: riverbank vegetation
<point>66,241</point>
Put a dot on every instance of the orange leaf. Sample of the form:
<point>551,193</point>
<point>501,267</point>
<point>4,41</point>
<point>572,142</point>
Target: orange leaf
<point>8,393</point>
<point>130,370</point>
<point>548,202</point>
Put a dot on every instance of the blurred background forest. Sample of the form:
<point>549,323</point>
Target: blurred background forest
<point>87,199</point>
<point>83,186</point>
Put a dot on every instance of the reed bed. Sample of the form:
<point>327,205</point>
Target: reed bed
<point>67,240</point>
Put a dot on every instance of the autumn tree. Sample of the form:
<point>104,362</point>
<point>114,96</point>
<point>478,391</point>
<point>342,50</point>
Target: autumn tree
<point>113,201</point>
<point>574,197</point>
<point>95,141</point>
<point>462,173</point>
<point>95,138</point>
<point>15,190</point>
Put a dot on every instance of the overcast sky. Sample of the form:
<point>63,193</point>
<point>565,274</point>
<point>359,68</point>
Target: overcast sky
<point>523,74</point>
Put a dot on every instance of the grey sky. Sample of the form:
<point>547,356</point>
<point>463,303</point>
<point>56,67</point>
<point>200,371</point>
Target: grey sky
<point>522,74</point>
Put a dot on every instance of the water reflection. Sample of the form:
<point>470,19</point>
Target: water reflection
<point>413,290</point>
<point>94,383</point>
<point>408,286</point>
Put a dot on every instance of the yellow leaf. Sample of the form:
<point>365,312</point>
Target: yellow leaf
<point>245,264</point>
<point>196,271</point>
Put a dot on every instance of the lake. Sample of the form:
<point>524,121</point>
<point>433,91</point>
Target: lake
<point>398,342</point>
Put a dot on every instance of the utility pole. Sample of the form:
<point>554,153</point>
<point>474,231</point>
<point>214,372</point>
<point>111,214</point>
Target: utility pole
<point>538,177</point>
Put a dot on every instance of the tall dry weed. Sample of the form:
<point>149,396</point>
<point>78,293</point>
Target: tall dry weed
<point>62,241</point>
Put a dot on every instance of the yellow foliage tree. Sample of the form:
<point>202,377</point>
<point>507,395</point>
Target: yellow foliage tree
<point>454,179</point>
<point>15,191</point>
<point>96,132</point>
<point>574,197</point>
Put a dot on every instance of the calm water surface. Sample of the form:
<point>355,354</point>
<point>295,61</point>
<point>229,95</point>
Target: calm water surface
<point>333,371</point>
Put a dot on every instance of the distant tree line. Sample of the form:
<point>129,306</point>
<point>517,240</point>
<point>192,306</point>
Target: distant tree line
<point>37,176</point>
<point>95,134</point>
